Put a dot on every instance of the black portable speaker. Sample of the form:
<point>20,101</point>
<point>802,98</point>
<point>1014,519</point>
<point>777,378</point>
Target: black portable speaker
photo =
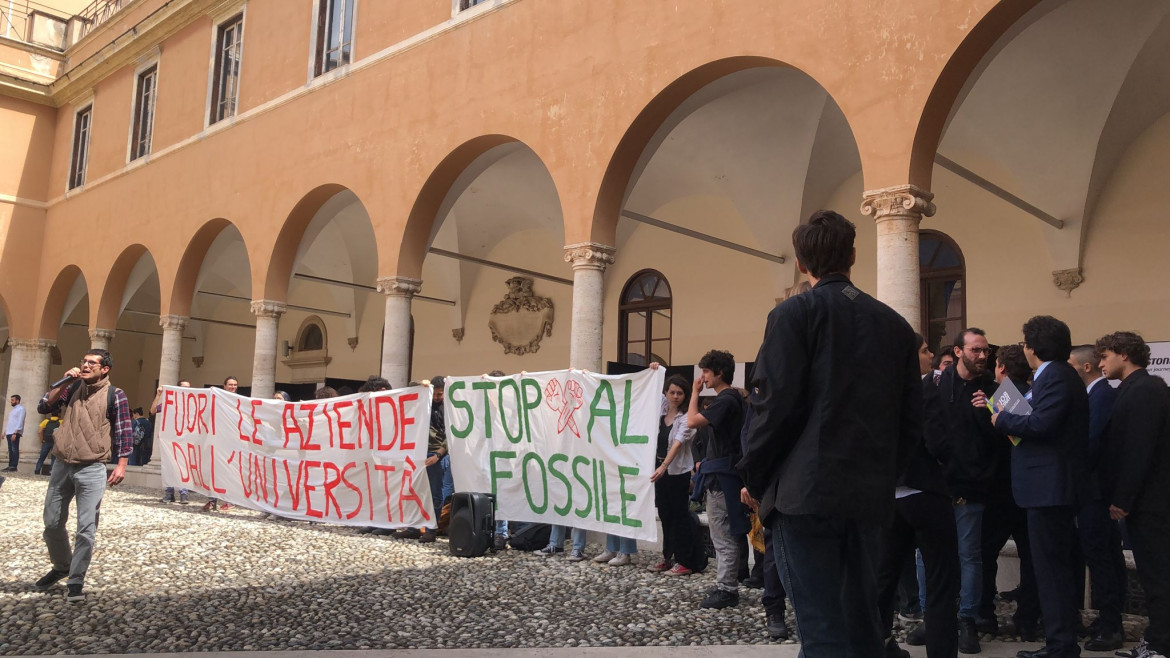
<point>473,523</point>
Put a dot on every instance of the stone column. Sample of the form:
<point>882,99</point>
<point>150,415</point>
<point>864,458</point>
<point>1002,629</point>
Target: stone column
<point>589,261</point>
<point>268,315</point>
<point>897,212</point>
<point>28,377</point>
<point>100,339</point>
<point>172,348</point>
<point>399,291</point>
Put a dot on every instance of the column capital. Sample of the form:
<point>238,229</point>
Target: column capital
<point>589,255</point>
<point>1068,280</point>
<point>267,308</point>
<point>173,322</point>
<point>32,343</point>
<point>399,286</point>
<point>898,202</point>
<point>104,334</point>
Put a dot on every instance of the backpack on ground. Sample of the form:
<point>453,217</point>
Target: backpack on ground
<point>529,536</point>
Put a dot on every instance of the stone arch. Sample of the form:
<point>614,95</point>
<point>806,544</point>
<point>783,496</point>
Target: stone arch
<point>113,292</point>
<point>288,242</point>
<point>53,312</point>
<point>420,223</point>
<point>187,274</point>
<point>947,92</point>
<point>648,126</point>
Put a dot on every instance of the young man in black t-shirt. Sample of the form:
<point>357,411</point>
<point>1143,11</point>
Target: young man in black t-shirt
<point>717,474</point>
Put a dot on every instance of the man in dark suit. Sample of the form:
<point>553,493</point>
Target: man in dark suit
<point>1137,474</point>
<point>1048,474</point>
<point>1099,535</point>
<point>837,411</point>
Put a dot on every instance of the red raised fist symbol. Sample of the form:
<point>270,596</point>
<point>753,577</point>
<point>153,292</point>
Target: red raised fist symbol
<point>566,402</point>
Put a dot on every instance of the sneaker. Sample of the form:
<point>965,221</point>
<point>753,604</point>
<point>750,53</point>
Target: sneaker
<point>407,533</point>
<point>427,538</point>
<point>209,506</point>
<point>549,551</point>
<point>753,582</point>
<point>577,555</point>
<point>910,615</point>
<point>664,565</point>
<point>75,594</point>
<point>604,557</point>
<point>719,599</point>
<point>968,637</point>
<point>361,531</point>
<point>169,498</point>
<point>774,621</point>
<point>619,560</point>
<point>1105,641</point>
<point>183,498</point>
<point>677,570</point>
<point>50,579</point>
<point>1142,650</point>
<point>2,479</point>
<point>224,506</point>
<point>500,543</point>
<point>917,637</point>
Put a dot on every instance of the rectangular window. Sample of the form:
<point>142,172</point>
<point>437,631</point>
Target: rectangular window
<point>334,34</point>
<point>225,85</point>
<point>80,147</point>
<point>468,4</point>
<point>144,112</point>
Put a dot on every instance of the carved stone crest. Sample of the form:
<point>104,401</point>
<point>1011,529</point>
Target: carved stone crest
<point>1068,280</point>
<point>521,319</point>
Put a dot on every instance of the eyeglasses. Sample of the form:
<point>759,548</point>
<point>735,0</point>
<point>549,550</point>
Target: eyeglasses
<point>95,364</point>
<point>979,350</point>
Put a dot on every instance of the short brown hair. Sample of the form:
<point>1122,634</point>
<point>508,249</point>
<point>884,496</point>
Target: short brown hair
<point>825,244</point>
<point>1012,358</point>
<point>1128,344</point>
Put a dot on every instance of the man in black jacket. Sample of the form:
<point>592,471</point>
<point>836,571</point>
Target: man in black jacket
<point>967,454</point>
<point>1049,476</point>
<point>924,519</point>
<point>838,410</point>
<point>1137,474</point>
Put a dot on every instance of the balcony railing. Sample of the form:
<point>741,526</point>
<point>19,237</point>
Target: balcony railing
<point>95,14</point>
<point>34,23</point>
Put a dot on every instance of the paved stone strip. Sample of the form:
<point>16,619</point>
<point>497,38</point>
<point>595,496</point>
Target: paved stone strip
<point>169,578</point>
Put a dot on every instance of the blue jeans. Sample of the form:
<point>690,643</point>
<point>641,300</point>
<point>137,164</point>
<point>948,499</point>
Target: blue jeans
<point>557,537</point>
<point>87,484</point>
<point>436,475</point>
<point>615,544</point>
<point>46,452</point>
<point>448,479</point>
<point>969,524</point>
<point>13,450</point>
<point>827,570</point>
<point>169,492</point>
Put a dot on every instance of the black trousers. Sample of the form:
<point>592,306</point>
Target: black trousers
<point>679,535</point>
<point>773,598</point>
<point>1150,535</point>
<point>926,521</point>
<point>1001,521</point>
<point>1054,538</point>
<point>1101,547</point>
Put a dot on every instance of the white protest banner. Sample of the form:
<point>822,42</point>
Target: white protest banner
<point>1160,360</point>
<point>566,447</point>
<point>353,460</point>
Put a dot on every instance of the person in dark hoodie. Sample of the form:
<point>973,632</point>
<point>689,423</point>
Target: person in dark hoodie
<point>1003,519</point>
<point>966,452</point>
<point>726,517</point>
<point>923,519</point>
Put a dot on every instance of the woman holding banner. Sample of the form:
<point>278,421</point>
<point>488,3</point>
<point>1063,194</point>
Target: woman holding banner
<point>681,553</point>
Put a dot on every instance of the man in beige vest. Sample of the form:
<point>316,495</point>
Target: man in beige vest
<point>95,423</point>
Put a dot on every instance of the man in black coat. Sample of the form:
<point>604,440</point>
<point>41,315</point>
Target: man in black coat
<point>1099,535</point>
<point>924,519</point>
<point>838,410</point>
<point>1048,473</point>
<point>1137,473</point>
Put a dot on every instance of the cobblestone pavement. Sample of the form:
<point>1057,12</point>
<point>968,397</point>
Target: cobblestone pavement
<point>169,578</point>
